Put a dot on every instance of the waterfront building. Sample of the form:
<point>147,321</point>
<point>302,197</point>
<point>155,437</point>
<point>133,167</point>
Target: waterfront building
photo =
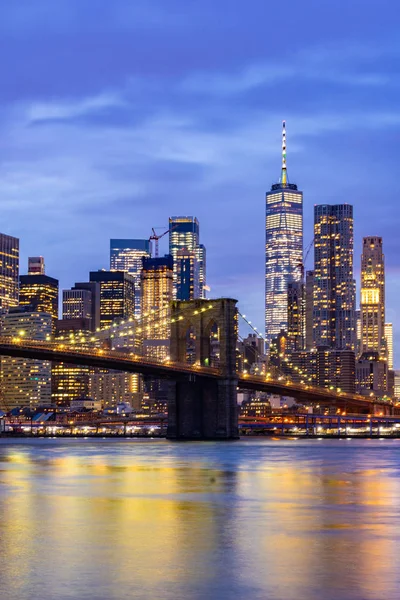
<point>9,269</point>
<point>283,248</point>
<point>309,292</point>
<point>257,406</point>
<point>26,382</point>
<point>70,381</point>
<point>389,344</point>
<point>36,265</point>
<point>126,255</point>
<point>372,306</point>
<point>39,292</point>
<point>184,235</point>
<point>334,285</point>
<point>296,316</point>
<point>157,293</point>
<point>113,387</point>
<point>117,296</point>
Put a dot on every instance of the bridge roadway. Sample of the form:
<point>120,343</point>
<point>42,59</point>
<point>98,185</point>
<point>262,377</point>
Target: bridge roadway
<point>129,362</point>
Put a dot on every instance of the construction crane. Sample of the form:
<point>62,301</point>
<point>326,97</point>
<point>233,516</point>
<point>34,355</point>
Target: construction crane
<point>307,252</point>
<point>154,237</point>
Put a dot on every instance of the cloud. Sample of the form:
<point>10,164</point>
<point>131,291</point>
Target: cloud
<point>323,64</point>
<point>53,111</point>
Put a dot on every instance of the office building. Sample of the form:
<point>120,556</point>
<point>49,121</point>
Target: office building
<point>358,332</point>
<point>127,255</point>
<point>9,269</point>
<point>334,285</point>
<point>336,369</point>
<point>371,374</point>
<point>94,288</point>
<point>372,306</point>
<point>396,384</point>
<point>283,248</point>
<point>117,296</point>
<point>157,292</point>
<point>184,235</point>
<point>77,304</point>
<point>39,292</point>
<point>36,265</point>
<point>187,275</point>
<point>26,382</point>
<point>309,292</point>
<point>70,381</point>
<point>389,344</point>
<point>202,262</point>
<point>296,316</point>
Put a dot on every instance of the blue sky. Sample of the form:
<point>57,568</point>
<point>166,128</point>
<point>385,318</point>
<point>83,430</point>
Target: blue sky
<point>116,115</point>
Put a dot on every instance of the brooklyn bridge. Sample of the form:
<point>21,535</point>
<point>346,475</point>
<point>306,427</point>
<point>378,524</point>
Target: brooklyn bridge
<point>202,397</point>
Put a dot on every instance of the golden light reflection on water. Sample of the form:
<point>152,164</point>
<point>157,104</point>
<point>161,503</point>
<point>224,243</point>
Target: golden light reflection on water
<point>142,520</point>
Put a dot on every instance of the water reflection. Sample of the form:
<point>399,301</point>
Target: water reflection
<point>256,519</point>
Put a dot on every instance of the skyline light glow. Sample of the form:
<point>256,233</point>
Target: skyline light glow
<point>115,117</point>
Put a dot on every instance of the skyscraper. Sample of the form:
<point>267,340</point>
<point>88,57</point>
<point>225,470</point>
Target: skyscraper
<point>296,316</point>
<point>283,248</point>
<point>372,307</point>
<point>389,344</point>
<point>9,268</point>
<point>40,293</point>
<point>117,296</point>
<point>126,255</point>
<point>309,309</point>
<point>202,262</point>
<point>157,290</point>
<point>77,304</point>
<point>184,235</point>
<point>334,286</point>
<point>187,275</point>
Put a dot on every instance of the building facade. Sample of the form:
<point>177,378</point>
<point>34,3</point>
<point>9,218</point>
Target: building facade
<point>184,235</point>
<point>117,296</point>
<point>372,306</point>
<point>9,270</point>
<point>157,293</point>
<point>126,255</point>
<point>334,285</point>
<point>296,316</point>
<point>77,304</point>
<point>283,248</point>
<point>389,344</point>
<point>26,382</point>
<point>40,293</point>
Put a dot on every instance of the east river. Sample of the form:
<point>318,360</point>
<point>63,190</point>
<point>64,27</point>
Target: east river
<point>255,519</point>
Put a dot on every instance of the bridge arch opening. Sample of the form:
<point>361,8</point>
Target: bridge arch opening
<point>211,348</point>
<point>190,345</point>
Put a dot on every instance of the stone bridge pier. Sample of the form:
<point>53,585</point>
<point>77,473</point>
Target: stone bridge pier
<point>204,334</point>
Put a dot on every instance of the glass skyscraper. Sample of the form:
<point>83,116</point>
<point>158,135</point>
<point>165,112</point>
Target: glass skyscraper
<point>117,296</point>
<point>127,255</point>
<point>283,248</point>
<point>183,246</point>
<point>9,268</point>
<point>372,308</point>
<point>334,285</point>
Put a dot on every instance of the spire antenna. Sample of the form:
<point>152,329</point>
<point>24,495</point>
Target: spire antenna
<point>284,170</point>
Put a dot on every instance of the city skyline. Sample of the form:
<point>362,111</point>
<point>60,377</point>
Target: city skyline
<point>82,143</point>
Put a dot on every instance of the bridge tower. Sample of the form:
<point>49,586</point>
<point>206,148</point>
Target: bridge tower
<point>204,333</point>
